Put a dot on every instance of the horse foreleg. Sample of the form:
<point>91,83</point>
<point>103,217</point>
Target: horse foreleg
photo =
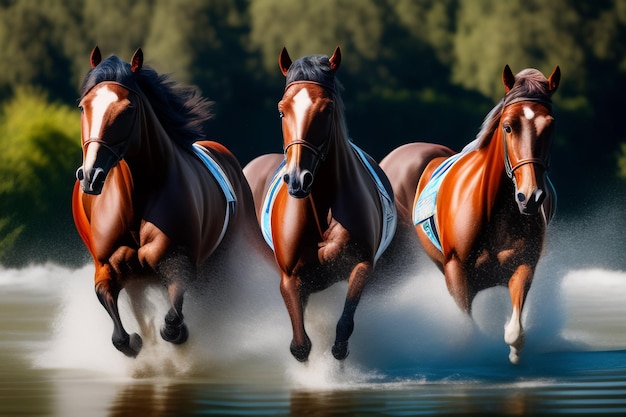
<point>519,284</point>
<point>107,290</point>
<point>345,325</point>
<point>291,290</point>
<point>175,270</point>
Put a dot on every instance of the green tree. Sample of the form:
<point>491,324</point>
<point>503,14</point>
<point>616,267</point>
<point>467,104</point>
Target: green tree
<point>40,145</point>
<point>431,22</point>
<point>605,84</point>
<point>530,33</point>
<point>316,27</point>
<point>32,52</point>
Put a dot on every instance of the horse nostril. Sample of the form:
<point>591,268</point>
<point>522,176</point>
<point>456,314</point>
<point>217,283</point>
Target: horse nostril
<point>521,197</point>
<point>98,177</point>
<point>80,174</point>
<point>306,178</point>
<point>286,178</point>
<point>539,196</point>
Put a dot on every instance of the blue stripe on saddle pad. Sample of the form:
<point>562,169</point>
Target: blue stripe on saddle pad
<point>220,176</point>
<point>390,216</point>
<point>426,205</point>
<point>268,202</point>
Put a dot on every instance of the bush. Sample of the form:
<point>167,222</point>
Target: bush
<point>40,150</point>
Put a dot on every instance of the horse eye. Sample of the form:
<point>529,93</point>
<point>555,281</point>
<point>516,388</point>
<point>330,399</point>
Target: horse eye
<point>507,128</point>
<point>281,114</point>
<point>81,108</point>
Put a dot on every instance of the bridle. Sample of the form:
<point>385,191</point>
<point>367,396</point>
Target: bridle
<point>511,168</point>
<point>320,152</point>
<point>119,148</point>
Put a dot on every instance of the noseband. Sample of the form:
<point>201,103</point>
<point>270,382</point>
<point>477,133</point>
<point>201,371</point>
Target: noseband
<point>508,167</point>
<point>117,150</point>
<point>320,152</point>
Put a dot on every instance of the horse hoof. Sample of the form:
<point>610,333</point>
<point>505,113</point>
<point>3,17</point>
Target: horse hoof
<point>129,345</point>
<point>175,334</point>
<point>301,353</point>
<point>514,356</point>
<point>340,351</point>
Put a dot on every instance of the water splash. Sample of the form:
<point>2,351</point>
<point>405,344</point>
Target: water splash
<point>410,332</point>
<point>414,332</point>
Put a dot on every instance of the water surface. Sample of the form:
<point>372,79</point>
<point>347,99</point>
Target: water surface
<point>412,353</point>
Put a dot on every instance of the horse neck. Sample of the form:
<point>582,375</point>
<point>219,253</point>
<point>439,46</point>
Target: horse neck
<point>494,176</point>
<point>339,165</point>
<point>155,149</point>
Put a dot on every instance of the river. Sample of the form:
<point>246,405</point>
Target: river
<point>412,353</point>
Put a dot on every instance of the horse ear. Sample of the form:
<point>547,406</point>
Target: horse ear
<point>96,57</point>
<point>554,79</point>
<point>284,62</point>
<point>335,60</point>
<point>137,61</point>
<point>508,79</point>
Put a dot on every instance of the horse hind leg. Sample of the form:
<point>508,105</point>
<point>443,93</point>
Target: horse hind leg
<point>457,283</point>
<point>175,270</point>
<point>108,291</point>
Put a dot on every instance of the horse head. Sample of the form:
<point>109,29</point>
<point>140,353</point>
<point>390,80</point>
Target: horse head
<point>109,113</point>
<point>307,110</point>
<point>527,126</point>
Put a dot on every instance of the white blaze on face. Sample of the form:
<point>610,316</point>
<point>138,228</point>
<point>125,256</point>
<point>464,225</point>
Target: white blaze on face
<point>103,99</point>
<point>301,102</point>
<point>529,113</point>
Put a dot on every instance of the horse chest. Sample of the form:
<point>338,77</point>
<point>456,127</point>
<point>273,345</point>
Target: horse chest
<point>348,231</point>
<point>161,228</point>
<point>506,244</point>
<point>334,242</point>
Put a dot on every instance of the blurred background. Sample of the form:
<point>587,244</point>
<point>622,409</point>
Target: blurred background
<point>413,70</point>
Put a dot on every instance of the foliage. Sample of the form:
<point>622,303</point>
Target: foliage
<point>515,33</point>
<point>412,70</point>
<point>621,160</point>
<point>40,150</point>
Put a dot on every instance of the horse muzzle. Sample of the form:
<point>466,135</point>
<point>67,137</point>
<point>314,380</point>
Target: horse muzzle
<point>530,204</point>
<point>299,183</point>
<point>93,182</point>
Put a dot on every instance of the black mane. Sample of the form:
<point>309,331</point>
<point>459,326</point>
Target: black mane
<point>315,68</point>
<point>182,111</point>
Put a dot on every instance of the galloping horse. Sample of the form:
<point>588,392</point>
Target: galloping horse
<point>325,207</point>
<point>481,214</point>
<point>149,199</point>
